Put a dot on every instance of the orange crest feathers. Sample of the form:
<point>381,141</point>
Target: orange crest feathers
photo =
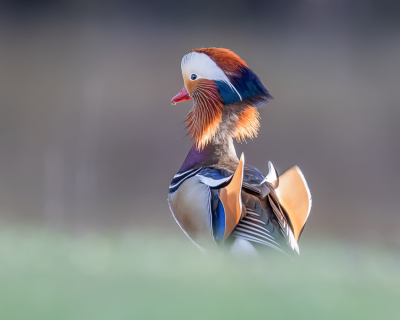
<point>229,61</point>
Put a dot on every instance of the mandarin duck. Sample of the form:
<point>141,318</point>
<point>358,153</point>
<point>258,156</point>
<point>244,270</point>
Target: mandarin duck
<point>217,199</point>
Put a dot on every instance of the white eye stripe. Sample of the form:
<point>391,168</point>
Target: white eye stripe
<point>204,67</point>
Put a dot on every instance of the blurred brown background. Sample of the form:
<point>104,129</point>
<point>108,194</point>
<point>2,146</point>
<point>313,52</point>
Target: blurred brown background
<point>90,141</point>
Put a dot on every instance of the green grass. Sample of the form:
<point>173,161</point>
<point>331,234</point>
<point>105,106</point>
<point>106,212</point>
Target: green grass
<point>45,275</point>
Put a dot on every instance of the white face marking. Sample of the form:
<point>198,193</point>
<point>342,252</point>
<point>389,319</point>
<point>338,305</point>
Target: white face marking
<point>203,67</point>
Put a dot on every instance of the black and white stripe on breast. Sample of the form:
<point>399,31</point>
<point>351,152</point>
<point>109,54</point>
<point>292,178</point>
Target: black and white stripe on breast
<point>180,177</point>
<point>212,177</point>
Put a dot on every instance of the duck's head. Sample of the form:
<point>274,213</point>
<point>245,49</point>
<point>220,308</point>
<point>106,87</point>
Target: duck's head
<point>224,90</point>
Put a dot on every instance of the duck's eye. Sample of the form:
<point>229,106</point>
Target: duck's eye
<point>193,76</point>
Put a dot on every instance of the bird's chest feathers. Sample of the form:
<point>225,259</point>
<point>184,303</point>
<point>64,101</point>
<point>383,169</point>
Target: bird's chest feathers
<point>191,208</point>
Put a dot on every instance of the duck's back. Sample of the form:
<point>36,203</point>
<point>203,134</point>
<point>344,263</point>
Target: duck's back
<point>195,201</point>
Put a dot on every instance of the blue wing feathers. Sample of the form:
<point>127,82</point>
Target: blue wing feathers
<point>219,223</point>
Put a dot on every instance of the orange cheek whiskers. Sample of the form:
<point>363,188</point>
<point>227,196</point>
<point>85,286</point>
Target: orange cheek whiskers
<point>204,118</point>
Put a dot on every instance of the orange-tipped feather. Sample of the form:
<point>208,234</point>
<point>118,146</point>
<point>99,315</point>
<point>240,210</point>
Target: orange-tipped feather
<point>206,114</point>
<point>248,124</point>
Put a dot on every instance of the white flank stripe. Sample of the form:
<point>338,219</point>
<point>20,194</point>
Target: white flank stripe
<point>252,212</point>
<point>248,228</point>
<point>255,225</point>
<point>256,220</point>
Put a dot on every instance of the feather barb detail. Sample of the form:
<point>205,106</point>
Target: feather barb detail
<point>248,124</point>
<point>206,114</point>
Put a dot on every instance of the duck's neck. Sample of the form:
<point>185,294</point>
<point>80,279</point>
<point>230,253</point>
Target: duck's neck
<point>219,152</point>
